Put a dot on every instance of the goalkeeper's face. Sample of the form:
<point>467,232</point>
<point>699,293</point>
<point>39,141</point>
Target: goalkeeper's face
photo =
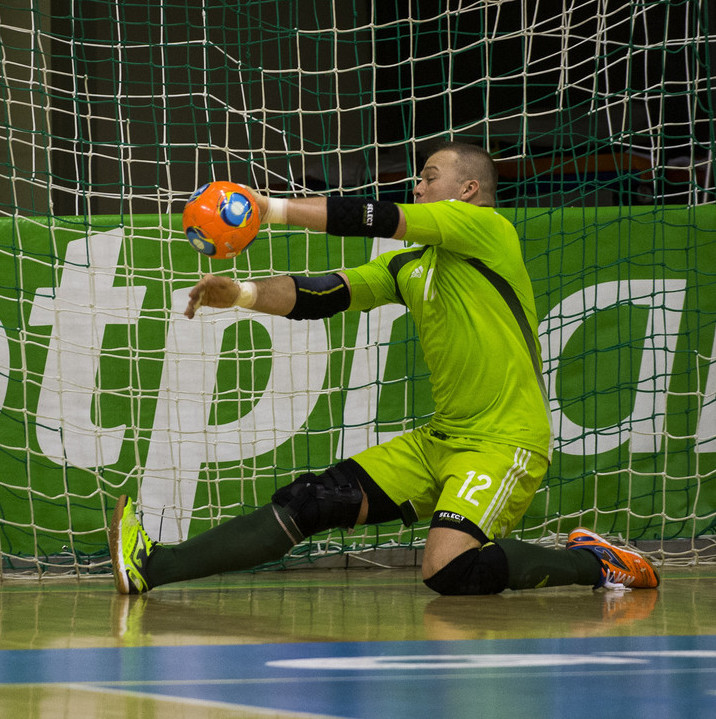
<point>440,179</point>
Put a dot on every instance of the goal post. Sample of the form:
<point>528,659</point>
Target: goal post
<point>601,117</point>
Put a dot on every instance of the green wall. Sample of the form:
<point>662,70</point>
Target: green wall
<point>104,385</point>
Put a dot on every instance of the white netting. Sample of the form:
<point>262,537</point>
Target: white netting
<point>601,116</point>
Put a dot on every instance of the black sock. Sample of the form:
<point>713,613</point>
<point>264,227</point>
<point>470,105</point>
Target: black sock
<point>530,565</point>
<point>243,542</point>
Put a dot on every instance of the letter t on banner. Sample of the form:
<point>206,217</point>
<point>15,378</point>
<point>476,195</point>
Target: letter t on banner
<point>79,310</point>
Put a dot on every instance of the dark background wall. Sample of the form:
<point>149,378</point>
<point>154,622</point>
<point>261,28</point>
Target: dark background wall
<point>129,107</point>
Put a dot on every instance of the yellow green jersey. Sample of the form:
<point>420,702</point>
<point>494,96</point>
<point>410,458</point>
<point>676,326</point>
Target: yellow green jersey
<point>466,285</point>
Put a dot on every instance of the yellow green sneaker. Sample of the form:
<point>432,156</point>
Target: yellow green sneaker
<point>129,547</point>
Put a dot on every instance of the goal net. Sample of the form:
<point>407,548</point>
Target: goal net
<point>601,117</point>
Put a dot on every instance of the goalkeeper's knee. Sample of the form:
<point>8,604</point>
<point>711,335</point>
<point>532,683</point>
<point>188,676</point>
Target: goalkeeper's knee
<point>477,571</point>
<point>325,501</point>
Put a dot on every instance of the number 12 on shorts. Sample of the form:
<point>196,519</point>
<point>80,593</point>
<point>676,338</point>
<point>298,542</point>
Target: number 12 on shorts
<point>483,482</point>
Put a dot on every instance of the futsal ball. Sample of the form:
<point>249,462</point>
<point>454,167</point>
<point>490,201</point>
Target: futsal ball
<point>221,219</point>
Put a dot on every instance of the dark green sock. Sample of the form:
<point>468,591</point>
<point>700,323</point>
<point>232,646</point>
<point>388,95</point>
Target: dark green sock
<point>243,542</point>
<point>530,565</point>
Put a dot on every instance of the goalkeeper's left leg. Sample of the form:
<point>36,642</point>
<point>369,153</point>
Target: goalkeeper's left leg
<point>513,564</point>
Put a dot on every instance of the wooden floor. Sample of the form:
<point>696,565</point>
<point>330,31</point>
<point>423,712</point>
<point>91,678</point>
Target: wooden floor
<point>357,644</point>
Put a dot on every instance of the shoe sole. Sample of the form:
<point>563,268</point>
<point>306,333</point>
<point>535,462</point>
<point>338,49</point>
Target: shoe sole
<point>115,546</point>
<point>600,540</point>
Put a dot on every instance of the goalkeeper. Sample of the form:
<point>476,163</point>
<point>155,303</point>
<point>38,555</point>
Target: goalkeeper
<point>475,467</point>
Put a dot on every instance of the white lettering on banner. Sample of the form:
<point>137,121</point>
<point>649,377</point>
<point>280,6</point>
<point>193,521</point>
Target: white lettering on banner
<point>182,439</point>
<point>369,359</point>
<point>4,364</point>
<point>84,303</point>
<point>363,391</point>
<point>706,429</point>
<point>643,428</point>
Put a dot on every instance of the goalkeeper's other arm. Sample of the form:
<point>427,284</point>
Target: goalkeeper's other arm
<point>273,295</point>
<point>293,297</point>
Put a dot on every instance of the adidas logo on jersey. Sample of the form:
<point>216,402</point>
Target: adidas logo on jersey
<point>417,273</point>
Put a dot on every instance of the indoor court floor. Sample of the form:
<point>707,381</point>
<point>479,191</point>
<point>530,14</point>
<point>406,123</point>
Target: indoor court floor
<point>355,644</point>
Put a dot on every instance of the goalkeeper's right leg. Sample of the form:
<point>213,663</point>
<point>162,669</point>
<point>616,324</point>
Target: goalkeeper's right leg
<point>310,504</point>
<point>129,547</point>
<point>244,542</point>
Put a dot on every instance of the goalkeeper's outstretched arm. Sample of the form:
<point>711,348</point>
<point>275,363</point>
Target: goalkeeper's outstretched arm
<point>342,216</point>
<point>292,296</point>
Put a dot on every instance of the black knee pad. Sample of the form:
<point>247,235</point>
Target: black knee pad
<point>481,570</point>
<point>320,502</point>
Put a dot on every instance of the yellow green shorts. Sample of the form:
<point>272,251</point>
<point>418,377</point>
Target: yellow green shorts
<point>488,483</point>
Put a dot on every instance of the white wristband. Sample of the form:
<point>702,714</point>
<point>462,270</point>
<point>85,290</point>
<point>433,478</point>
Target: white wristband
<point>276,211</point>
<point>248,293</point>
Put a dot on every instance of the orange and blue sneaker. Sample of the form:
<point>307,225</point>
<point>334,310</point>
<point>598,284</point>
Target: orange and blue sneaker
<point>621,568</point>
<point>129,547</point>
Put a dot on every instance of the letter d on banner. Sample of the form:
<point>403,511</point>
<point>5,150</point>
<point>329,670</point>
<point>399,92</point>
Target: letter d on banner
<point>644,426</point>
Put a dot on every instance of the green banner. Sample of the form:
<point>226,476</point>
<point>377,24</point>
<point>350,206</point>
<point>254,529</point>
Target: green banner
<point>106,387</point>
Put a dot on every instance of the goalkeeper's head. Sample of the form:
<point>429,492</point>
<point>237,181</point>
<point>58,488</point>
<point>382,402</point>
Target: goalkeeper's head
<point>458,171</point>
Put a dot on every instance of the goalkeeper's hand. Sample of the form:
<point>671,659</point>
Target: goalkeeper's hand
<point>213,291</point>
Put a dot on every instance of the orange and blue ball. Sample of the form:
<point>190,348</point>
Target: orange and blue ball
<point>221,219</point>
